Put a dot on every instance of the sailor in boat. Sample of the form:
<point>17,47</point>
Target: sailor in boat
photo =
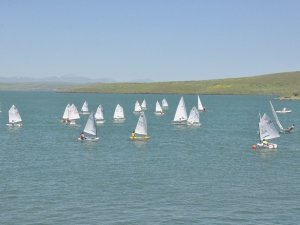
<point>265,143</point>
<point>289,129</point>
<point>133,134</point>
<point>82,137</point>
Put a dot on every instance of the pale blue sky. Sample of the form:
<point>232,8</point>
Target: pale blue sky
<point>159,40</point>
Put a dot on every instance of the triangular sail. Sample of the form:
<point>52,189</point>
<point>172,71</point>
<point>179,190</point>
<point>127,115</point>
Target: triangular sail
<point>66,112</point>
<point>137,107</point>
<point>99,113</point>
<point>119,112</point>
<point>267,129</point>
<point>164,104</point>
<point>14,115</point>
<point>73,113</point>
<point>90,127</point>
<point>276,117</point>
<point>144,105</point>
<point>181,114</point>
<point>141,127</point>
<point>85,107</point>
<point>194,116</point>
<point>200,106</point>
<point>158,108</point>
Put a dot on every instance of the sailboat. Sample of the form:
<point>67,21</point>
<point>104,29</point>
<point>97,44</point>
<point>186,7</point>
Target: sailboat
<point>284,110</point>
<point>282,130</point>
<point>158,109</point>
<point>99,116</point>
<point>144,105</point>
<point>180,117</point>
<point>65,117</point>
<point>267,131</point>
<point>119,113</point>
<point>137,107</point>
<point>164,104</point>
<point>14,117</point>
<point>90,130</point>
<point>85,108</point>
<point>194,117</point>
<point>200,106</point>
<point>140,133</point>
<point>73,115</point>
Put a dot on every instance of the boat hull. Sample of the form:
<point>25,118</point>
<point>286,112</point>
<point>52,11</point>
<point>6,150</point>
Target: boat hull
<point>269,146</point>
<point>14,125</point>
<point>139,138</point>
<point>89,139</point>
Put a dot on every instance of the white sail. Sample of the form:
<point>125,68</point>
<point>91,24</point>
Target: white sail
<point>144,105</point>
<point>137,107</point>
<point>73,113</point>
<point>99,113</point>
<point>164,104</point>
<point>85,108</point>
<point>66,112</point>
<point>90,127</point>
<point>141,127</point>
<point>194,118</point>
<point>276,117</point>
<point>158,108</point>
<point>119,112</point>
<point>14,115</point>
<point>181,114</point>
<point>200,106</point>
<point>267,129</point>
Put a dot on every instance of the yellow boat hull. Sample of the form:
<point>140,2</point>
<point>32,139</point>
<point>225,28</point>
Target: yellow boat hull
<point>139,138</point>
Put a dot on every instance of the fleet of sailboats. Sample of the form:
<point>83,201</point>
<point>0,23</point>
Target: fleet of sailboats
<point>267,129</point>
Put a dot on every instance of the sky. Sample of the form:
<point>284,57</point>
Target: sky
<point>157,40</point>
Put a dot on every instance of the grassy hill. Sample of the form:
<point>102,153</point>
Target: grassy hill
<point>281,84</point>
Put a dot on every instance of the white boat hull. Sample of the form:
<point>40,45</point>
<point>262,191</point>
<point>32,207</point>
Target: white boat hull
<point>14,125</point>
<point>269,146</point>
<point>89,139</point>
<point>182,122</point>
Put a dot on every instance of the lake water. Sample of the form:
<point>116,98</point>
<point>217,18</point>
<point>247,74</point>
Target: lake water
<point>204,175</point>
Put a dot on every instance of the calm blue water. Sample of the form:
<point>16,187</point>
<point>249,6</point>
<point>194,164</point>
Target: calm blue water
<point>205,175</point>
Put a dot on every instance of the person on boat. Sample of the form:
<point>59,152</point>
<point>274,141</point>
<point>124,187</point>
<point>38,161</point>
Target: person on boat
<point>82,137</point>
<point>265,142</point>
<point>290,128</point>
<point>133,134</point>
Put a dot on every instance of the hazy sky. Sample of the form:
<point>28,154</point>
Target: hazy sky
<point>156,39</point>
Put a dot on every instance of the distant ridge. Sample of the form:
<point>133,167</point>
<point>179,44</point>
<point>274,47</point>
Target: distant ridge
<point>281,84</point>
<point>286,84</point>
<point>64,79</point>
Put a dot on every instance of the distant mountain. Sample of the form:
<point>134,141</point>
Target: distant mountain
<point>64,79</point>
<point>284,84</point>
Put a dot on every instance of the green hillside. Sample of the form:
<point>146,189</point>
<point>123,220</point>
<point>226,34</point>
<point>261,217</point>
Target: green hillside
<point>281,84</point>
